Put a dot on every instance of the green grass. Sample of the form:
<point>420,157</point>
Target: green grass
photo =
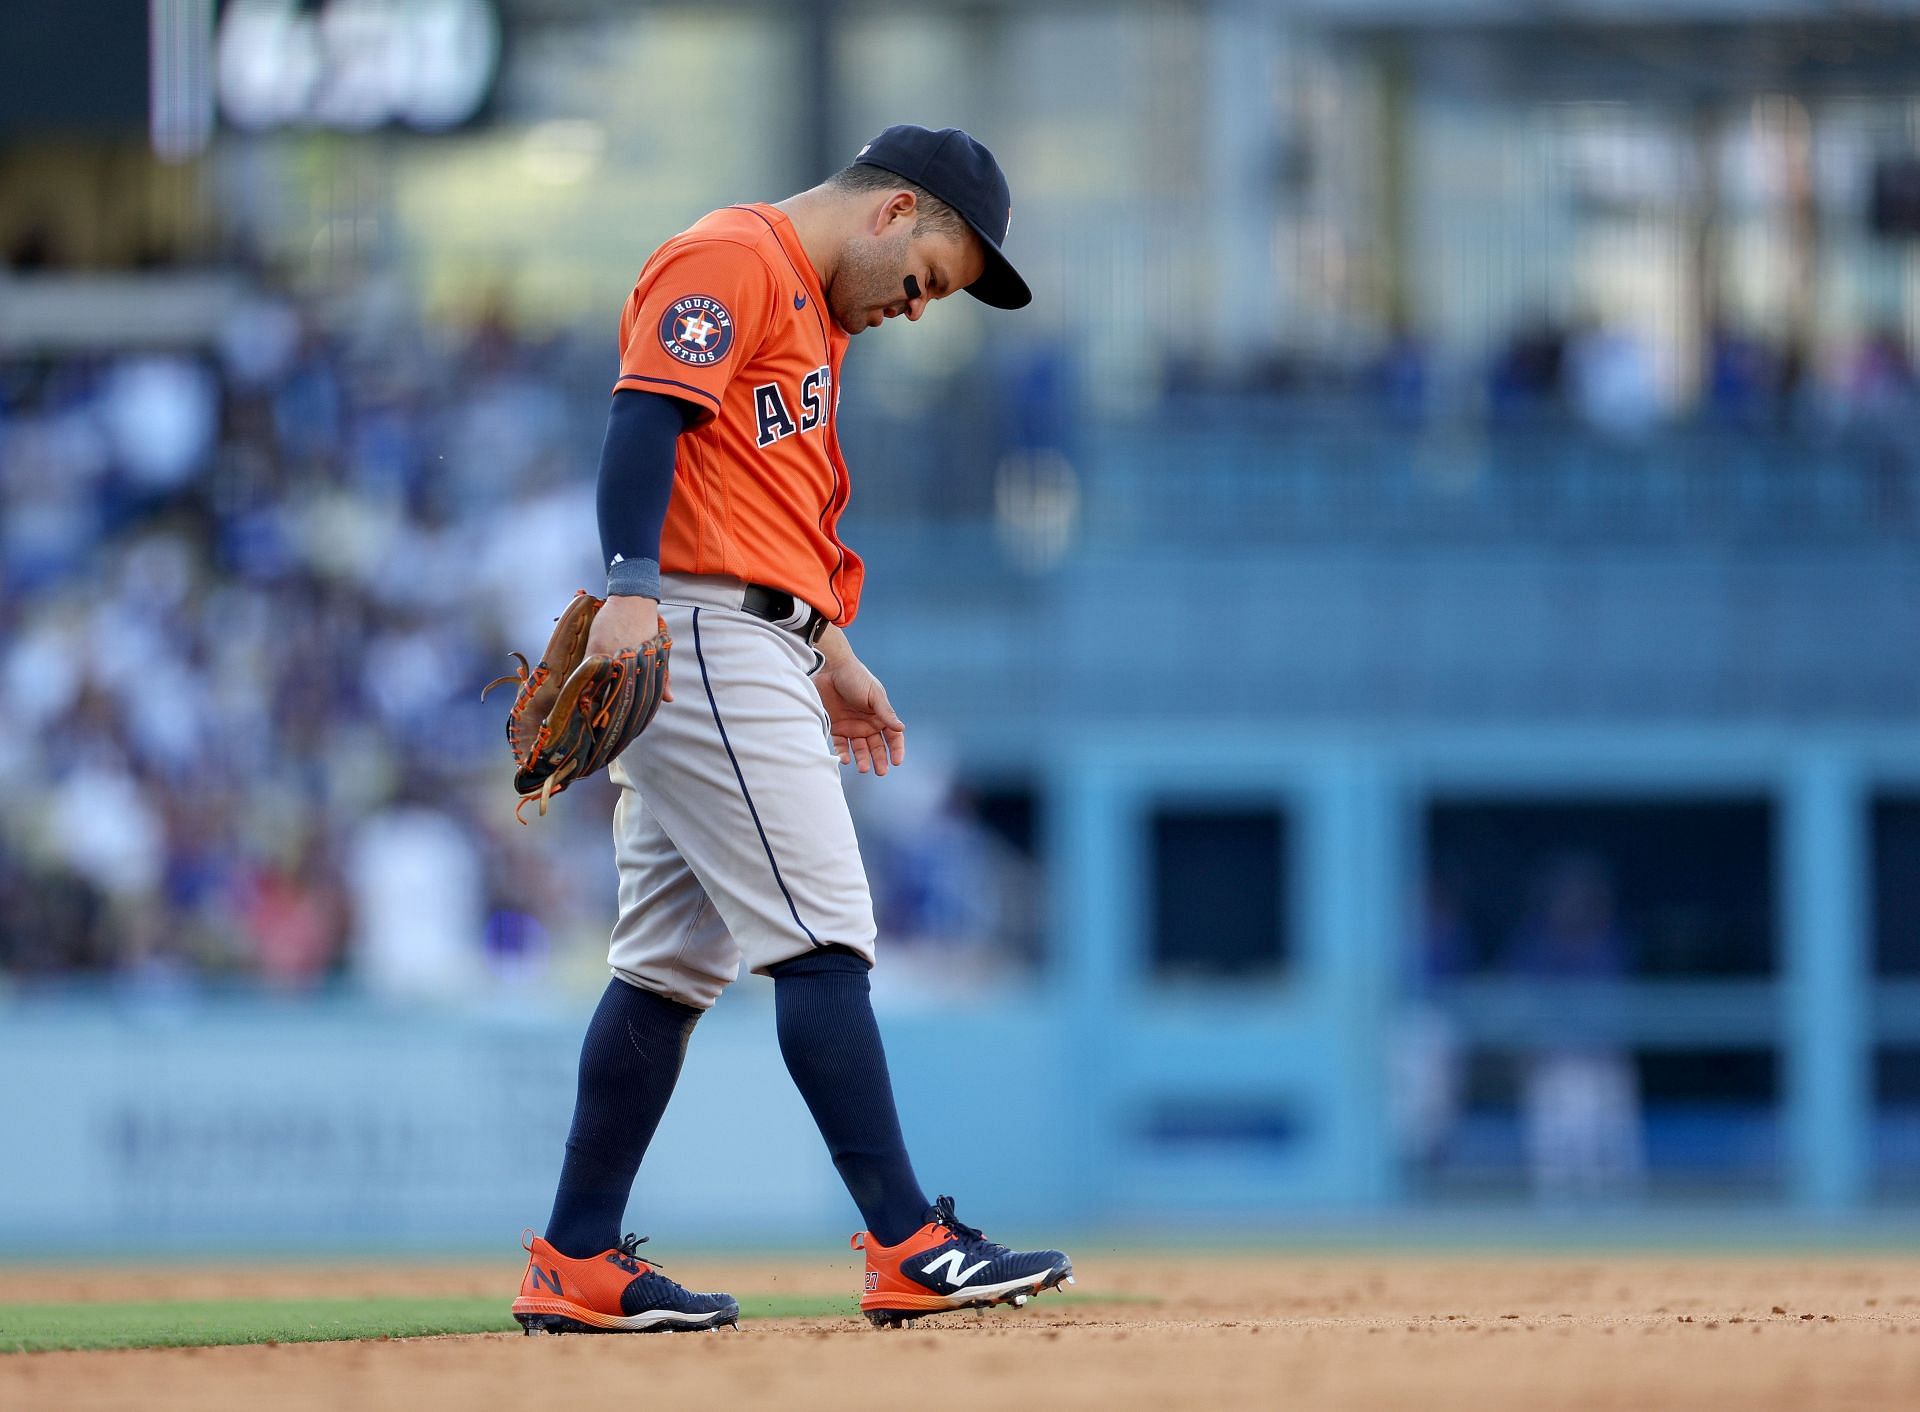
<point>38,1328</point>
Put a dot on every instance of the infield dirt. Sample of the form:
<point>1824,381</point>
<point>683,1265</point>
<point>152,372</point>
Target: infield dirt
<point>1520,1332</point>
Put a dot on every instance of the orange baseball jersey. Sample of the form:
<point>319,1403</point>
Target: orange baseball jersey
<point>729,316</point>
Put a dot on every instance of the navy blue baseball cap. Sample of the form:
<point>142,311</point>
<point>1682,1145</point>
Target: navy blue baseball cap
<point>962,173</point>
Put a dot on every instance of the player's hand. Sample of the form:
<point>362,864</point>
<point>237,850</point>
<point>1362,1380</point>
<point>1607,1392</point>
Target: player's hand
<point>866,732</point>
<point>625,624</point>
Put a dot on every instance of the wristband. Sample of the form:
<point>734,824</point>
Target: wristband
<point>634,578</point>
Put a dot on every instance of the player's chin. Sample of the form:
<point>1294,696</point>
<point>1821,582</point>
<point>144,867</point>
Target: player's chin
<point>848,322</point>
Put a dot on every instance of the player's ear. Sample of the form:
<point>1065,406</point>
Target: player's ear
<point>901,206</point>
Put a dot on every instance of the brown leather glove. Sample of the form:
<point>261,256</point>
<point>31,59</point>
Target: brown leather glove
<point>574,713</point>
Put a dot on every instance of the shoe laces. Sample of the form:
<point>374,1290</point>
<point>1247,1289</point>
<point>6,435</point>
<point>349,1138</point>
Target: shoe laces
<point>942,1214</point>
<point>627,1254</point>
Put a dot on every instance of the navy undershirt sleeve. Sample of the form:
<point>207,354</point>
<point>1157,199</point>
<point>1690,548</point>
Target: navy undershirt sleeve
<point>636,482</point>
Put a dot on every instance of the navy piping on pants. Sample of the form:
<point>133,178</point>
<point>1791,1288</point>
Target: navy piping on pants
<point>702,658</point>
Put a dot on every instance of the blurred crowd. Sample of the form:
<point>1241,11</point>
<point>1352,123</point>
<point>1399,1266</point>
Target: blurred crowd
<point>1598,376</point>
<point>248,595</point>
<point>249,590</point>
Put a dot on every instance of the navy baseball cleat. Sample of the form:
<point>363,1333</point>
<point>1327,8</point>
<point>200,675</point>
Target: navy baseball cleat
<point>615,1292</point>
<point>947,1264</point>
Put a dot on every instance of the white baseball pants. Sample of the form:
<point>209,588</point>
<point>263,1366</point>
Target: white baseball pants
<point>731,833</point>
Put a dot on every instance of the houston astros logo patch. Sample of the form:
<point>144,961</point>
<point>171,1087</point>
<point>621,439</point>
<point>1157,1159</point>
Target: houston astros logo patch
<point>697,330</point>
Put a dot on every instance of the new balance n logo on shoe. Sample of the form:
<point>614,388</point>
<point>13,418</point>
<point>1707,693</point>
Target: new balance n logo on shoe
<point>952,1260</point>
<point>545,1279</point>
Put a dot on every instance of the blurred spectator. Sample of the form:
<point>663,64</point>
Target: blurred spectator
<point>257,342</point>
<point>1743,379</point>
<point>1036,391</point>
<point>1428,1055</point>
<point>1611,381</point>
<point>1400,374</point>
<point>159,414</point>
<point>296,917</point>
<point>1877,382</point>
<point>1526,379</point>
<point>103,828</point>
<point>418,901</point>
<point>1580,1095</point>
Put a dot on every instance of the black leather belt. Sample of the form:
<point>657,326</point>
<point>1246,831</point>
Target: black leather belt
<point>780,609</point>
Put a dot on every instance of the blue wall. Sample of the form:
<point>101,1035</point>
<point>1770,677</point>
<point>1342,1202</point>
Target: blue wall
<point>242,1125</point>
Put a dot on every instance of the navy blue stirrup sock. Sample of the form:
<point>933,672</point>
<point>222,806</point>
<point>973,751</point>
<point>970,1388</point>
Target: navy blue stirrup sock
<point>832,1047</point>
<point>628,1064</point>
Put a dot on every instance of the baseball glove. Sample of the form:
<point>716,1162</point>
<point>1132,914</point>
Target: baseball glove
<point>574,713</point>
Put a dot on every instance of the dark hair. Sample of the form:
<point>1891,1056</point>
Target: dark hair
<point>932,214</point>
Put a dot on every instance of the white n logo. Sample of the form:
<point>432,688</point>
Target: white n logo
<point>955,1275</point>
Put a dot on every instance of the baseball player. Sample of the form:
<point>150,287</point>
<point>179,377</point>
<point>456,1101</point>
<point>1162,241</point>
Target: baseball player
<point>720,491</point>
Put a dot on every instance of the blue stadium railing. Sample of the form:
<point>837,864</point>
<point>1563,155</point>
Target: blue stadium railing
<point>1264,469</point>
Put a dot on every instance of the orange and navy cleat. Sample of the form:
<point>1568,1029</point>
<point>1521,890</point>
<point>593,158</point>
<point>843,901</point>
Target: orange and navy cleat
<point>615,1292</point>
<point>948,1265</point>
